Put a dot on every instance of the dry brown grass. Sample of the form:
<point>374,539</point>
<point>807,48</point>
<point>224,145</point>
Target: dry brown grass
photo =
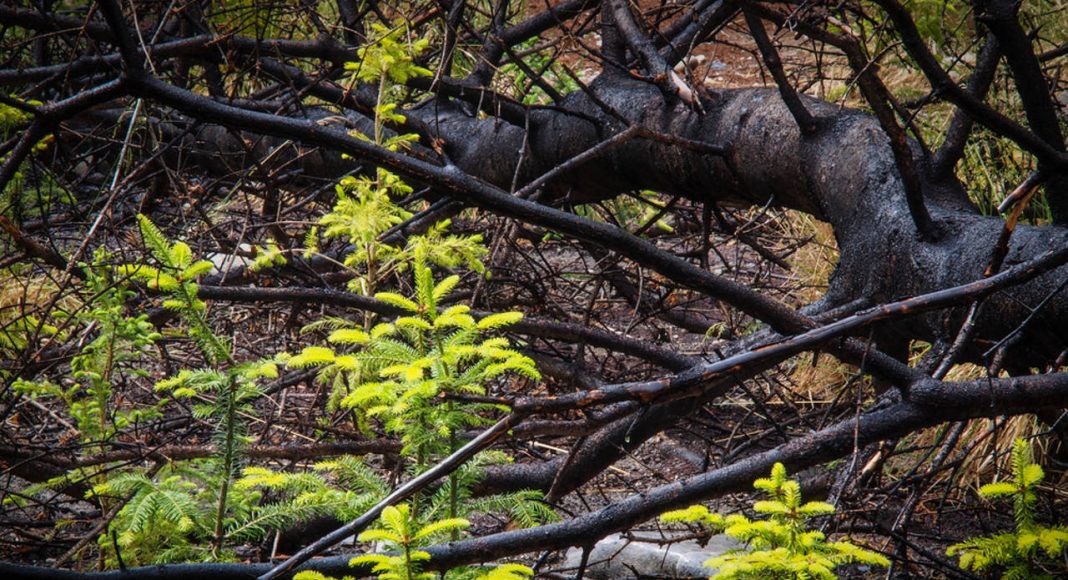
<point>23,303</point>
<point>813,263</point>
<point>981,455</point>
<point>811,266</point>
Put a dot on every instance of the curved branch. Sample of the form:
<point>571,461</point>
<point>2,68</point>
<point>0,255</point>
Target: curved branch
<point>932,403</point>
<point>530,326</point>
<point>980,111</point>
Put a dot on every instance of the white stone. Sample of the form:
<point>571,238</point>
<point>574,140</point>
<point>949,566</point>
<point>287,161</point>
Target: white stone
<point>618,557</point>
<point>223,262</point>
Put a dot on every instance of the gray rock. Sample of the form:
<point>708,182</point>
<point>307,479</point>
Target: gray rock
<point>223,263</point>
<point>620,557</point>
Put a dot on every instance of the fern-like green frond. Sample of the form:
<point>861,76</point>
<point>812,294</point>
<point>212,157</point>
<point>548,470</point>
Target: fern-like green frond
<point>499,320</point>
<point>998,489</point>
<point>440,527</point>
<point>695,514</point>
<point>155,240</point>
<point>394,299</point>
<point>311,356</point>
<point>348,336</point>
<point>508,572</point>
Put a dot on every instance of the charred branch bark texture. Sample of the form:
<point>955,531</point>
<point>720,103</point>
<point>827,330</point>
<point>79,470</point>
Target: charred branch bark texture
<point>846,175</point>
<point>930,403</point>
<point>904,227</point>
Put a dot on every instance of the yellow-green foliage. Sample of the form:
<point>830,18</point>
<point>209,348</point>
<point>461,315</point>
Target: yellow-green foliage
<point>176,276</point>
<point>401,534</point>
<point>313,575</point>
<point>780,546</point>
<point>12,118</point>
<point>392,55</point>
<point>268,256</point>
<point>1031,550</point>
<point>365,207</point>
<point>403,367</point>
<point>365,210</point>
<point>396,373</point>
<point>113,355</point>
<point>507,572</point>
<point>389,61</point>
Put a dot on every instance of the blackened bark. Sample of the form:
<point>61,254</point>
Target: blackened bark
<point>844,174</point>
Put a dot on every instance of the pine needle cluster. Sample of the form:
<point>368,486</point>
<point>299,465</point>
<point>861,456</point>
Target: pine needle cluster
<point>780,546</point>
<point>112,355</point>
<point>422,377</point>
<point>400,535</point>
<point>1031,550</point>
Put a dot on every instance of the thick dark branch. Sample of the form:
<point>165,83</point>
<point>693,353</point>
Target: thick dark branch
<point>462,186</point>
<point>687,383</point>
<point>46,22</point>
<point>1000,17</point>
<point>980,111</point>
<point>771,60</point>
<point>839,176</point>
<point>932,403</point>
<point>132,58</point>
<point>960,127</point>
<point>714,379</point>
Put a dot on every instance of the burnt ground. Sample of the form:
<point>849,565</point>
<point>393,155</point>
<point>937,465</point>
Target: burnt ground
<point>559,280</point>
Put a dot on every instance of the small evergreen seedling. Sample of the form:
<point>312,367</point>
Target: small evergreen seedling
<point>164,520</point>
<point>176,276</point>
<point>402,535</point>
<point>107,360</point>
<point>780,546</point>
<point>222,394</point>
<point>1029,551</point>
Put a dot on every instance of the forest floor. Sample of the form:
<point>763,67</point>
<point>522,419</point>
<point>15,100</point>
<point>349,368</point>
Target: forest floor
<point>555,279</point>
